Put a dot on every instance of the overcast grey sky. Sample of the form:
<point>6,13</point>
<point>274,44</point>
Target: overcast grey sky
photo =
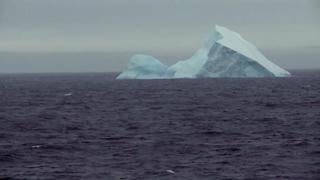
<point>163,27</point>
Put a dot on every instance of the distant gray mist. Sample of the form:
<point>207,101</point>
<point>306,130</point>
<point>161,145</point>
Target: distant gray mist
<point>101,35</point>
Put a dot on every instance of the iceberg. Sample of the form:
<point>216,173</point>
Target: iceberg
<point>225,54</point>
<point>144,67</point>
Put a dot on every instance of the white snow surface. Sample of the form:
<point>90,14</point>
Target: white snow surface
<point>225,54</point>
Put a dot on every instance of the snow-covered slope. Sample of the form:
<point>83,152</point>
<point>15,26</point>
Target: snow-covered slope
<point>225,54</point>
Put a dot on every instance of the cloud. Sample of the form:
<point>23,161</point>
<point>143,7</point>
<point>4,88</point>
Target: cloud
<point>81,13</point>
<point>144,24</point>
<point>162,28</point>
<point>3,5</point>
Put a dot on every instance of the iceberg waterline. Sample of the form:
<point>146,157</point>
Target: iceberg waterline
<point>225,54</point>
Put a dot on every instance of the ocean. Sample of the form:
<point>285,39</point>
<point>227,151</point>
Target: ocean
<point>91,126</point>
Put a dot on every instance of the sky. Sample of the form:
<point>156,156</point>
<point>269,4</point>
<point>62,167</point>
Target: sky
<point>100,35</point>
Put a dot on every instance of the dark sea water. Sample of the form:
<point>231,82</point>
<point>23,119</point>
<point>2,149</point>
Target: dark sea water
<point>90,126</point>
